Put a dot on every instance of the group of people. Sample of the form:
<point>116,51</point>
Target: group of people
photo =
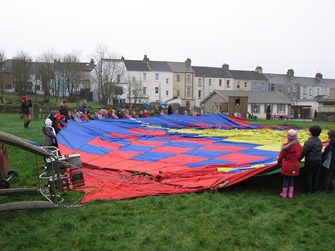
<point>315,162</point>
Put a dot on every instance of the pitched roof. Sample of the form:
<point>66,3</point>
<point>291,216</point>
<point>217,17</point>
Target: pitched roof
<point>254,97</point>
<point>247,75</point>
<point>136,65</point>
<point>159,66</point>
<point>180,67</point>
<point>285,79</point>
<point>201,71</point>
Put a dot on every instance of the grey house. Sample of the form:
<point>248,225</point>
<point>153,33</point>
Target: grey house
<point>257,102</point>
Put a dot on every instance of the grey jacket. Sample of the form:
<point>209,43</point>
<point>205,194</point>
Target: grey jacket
<point>312,150</point>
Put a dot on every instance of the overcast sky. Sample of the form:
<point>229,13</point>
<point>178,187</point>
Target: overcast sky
<point>275,34</point>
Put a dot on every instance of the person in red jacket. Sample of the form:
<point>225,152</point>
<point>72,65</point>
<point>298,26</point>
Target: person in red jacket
<point>133,115</point>
<point>289,159</point>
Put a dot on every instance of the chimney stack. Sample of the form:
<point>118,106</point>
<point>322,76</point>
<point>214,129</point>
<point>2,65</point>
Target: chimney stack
<point>188,62</point>
<point>225,67</point>
<point>259,69</point>
<point>145,59</point>
<point>318,76</point>
<point>290,73</point>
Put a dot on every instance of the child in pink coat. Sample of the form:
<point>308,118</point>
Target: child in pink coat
<point>289,159</point>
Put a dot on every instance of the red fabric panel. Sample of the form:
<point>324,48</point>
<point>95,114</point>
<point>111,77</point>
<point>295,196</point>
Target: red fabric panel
<point>238,157</point>
<point>147,143</point>
<point>183,159</point>
<point>122,136</point>
<point>99,142</point>
<point>224,148</point>
<point>172,149</point>
<point>146,131</point>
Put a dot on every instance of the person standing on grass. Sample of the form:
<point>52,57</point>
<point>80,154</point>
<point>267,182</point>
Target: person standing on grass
<point>289,160</point>
<point>50,138</point>
<point>26,103</point>
<point>83,106</point>
<point>63,110</point>
<point>312,153</point>
<point>329,172</point>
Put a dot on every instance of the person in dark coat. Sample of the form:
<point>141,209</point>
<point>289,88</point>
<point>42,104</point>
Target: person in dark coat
<point>63,110</point>
<point>329,173</point>
<point>170,111</point>
<point>54,121</point>
<point>312,153</point>
<point>50,134</point>
<point>289,160</point>
<point>26,103</point>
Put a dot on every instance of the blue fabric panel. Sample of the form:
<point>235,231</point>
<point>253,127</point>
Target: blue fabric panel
<point>184,144</point>
<point>258,152</point>
<point>240,144</point>
<point>153,156</point>
<point>205,153</point>
<point>135,148</point>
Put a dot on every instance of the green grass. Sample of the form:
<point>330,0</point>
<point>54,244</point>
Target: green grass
<point>250,215</point>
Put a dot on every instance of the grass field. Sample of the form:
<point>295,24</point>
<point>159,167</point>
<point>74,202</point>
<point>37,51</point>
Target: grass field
<point>250,215</point>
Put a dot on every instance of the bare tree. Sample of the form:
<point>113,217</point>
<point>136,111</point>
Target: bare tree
<point>21,72</point>
<point>2,60</point>
<point>46,70</point>
<point>108,74</point>
<point>70,72</point>
<point>135,89</point>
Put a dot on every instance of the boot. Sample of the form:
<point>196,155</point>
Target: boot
<point>290,192</point>
<point>28,123</point>
<point>25,125</point>
<point>284,193</point>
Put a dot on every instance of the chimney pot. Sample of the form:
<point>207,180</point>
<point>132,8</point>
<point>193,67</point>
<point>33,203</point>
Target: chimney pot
<point>318,76</point>
<point>145,59</point>
<point>225,67</point>
<point>188,62</point>
<point>259,69</point>
<point>290,73</point>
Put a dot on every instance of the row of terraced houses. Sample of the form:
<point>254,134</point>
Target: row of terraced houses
<point>200,87</point>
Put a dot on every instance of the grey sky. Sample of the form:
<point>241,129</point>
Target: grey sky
<point>276,34</point>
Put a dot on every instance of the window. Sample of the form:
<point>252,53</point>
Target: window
<point>318,91</point>
<point>310,91</point>
<point>157,76</point>
<point>144,90</point>
<point>133,92</point>
<point>199,94</point>
<point>295,88</point>
<point>167,81</point>
<point>220,82</point>
<point>118,79</point>
<point>188,78</point>
<point>288,89</point>
<point>178,78</point>
<point>178,93</point>
<point>304,91</point>
<point>144,76</point>
<point>256,108</point>
<point>187,104</point>
<point>272,87</point>
<point>245,84</point>
<point>228,83</point>
<point>331,92</point>
<point>156,90</point>
<point>279,88</point>
<point>237,101</point>
<point>280,107</point>
<point>188,92</point>
<point>167,93</point>
<point>238,85</point>
<point>199,82</point>
<point>324,91</point>
<point>210,82</point>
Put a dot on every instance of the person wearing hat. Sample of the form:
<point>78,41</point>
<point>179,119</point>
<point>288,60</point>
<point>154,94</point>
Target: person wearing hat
<point>50,134</point>
<point>26,103</point>
<point>53,119</point>
<point>63,110</point>
<point>289,159</point>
